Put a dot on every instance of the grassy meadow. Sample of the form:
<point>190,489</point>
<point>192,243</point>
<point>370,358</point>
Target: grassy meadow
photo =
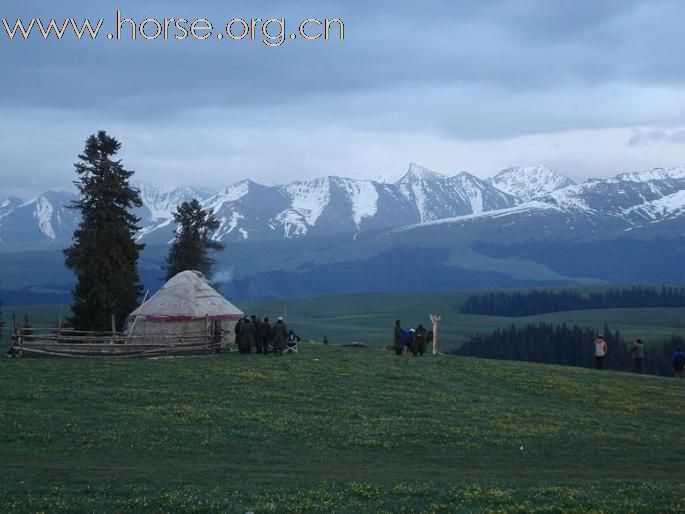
<point>336,429</point>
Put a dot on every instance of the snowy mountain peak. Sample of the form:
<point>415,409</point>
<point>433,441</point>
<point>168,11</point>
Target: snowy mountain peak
<point>308,199</point>
<point>384,178</point>
<point>235,191</point>
<point>529,182</point>
<point>159,203</point>
<point>654,174</point>
<point>45,217</point>
<point>417,173</point>
<point>466,177</point>
<point>8,204</point>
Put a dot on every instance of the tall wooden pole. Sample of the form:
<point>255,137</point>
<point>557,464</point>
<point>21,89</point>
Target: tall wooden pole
<point>435,319</point>
<point>130,329</point>
<point>15,336</point>
<point>59,321</point>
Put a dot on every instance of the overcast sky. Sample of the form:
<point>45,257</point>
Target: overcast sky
<point>588,87</point>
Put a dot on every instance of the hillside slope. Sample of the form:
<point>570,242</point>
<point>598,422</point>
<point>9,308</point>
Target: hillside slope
<point>336,430</point>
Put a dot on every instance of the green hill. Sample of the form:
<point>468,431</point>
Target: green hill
<point>336,429</point>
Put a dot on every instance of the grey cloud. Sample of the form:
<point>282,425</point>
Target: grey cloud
<point>520,45</point>
<point>654,136</point>
<point>432,72</point>
<point>677,137</point>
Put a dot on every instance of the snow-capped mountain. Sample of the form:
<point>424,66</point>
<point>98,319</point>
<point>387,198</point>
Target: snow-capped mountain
<point>620,197</point>
<point>527,183</point>
<point>159,203</point>
<point>436,196</point>
<point>535,199</point>
<point>336,205</point>
<point>8,204</point>
<point>44,217</point>
<point>47,217</point>
<point>626,202</point>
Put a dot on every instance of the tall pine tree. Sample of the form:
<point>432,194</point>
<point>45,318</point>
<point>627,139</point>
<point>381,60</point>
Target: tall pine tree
<point>193,241</point>
<point>104,253</point>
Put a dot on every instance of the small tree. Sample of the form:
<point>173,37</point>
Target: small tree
<point>104,254</point>
<point>193,240</point>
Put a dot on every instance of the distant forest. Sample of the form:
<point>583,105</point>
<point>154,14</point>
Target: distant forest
<point>568,346</point>
<point>515,304</point>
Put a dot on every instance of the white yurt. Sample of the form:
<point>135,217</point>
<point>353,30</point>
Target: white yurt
<point>186,304</point>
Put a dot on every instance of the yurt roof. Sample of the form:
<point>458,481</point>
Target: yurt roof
<point>187,296</point>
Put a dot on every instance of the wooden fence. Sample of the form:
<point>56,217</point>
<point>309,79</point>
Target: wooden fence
<point>64,342</point>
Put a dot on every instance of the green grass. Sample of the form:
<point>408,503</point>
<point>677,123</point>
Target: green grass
<point>336,430</point>
<point>370,317</point>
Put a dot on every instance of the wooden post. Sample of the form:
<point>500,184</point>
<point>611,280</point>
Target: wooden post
<point>435,319</point>
<point>18,337</point>
<point>133,325</point>
<point>208,335</point>
<point>59,321</point>
<point>164,334</point>
<point>13,338</point>
<point>216,336</point>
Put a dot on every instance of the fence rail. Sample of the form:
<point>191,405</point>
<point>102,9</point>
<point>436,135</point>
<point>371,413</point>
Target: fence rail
<point>63,342</point>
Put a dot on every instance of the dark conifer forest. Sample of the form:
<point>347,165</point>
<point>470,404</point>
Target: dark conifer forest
<point>545,301</point>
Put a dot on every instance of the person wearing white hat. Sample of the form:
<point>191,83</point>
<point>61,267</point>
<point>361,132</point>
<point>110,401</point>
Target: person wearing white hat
<point>279,334</point>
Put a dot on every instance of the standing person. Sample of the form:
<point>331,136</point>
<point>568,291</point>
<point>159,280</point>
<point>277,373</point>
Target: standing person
<point>406,340</point>
<point>601,350</point>
<point>420,336</point>
<point>397,345</point>
<point>413,342</point>
<point>280,333</point>
<point>638,352</point>
<point>238,329</point>
<point>678,361</point>
<point>257,340</point>
<point>264,334</point>
<point>247,336</point>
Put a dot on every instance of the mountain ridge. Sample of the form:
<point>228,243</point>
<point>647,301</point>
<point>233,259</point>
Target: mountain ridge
<point>339,205</point>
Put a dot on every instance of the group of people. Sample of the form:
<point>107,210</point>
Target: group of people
<point>637,351</point>
<point>254,335</point>
<point>411,340</point>
<point>414,341</point>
